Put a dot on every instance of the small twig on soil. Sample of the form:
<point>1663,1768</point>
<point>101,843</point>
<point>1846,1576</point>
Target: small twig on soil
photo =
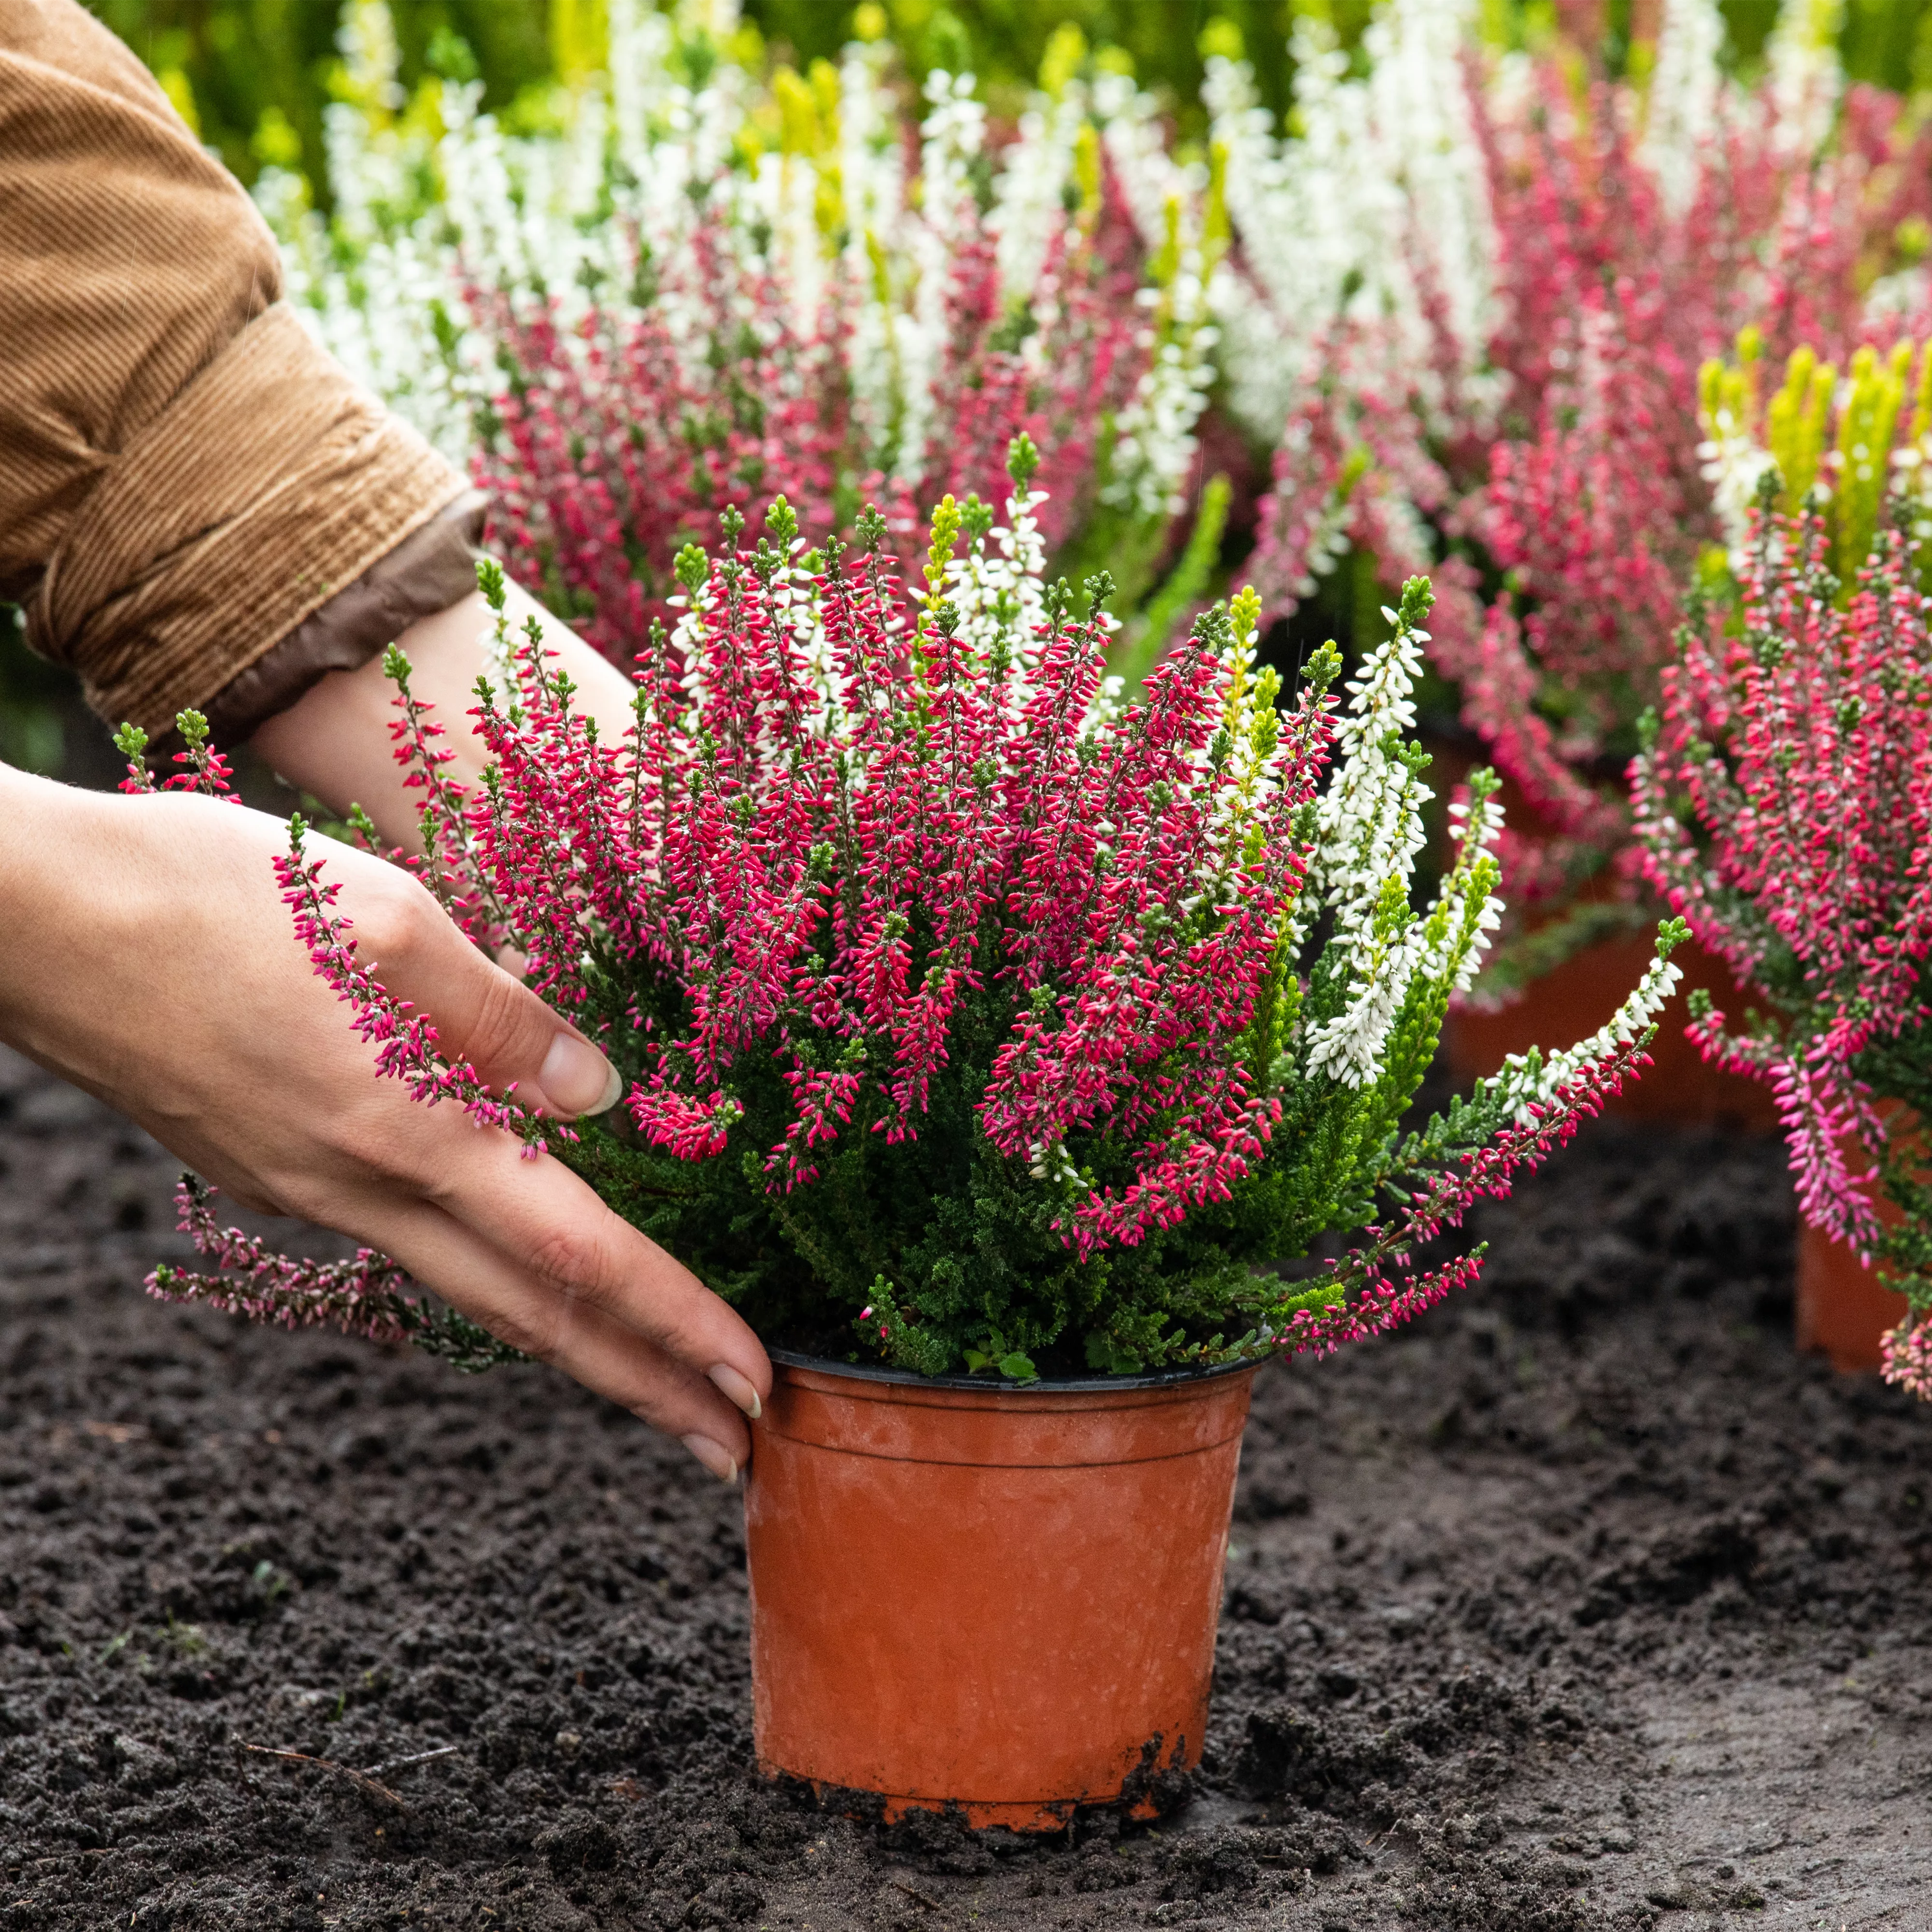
<point>913,1892</point>
<point>358,1777</point>
<point>401,1763</point>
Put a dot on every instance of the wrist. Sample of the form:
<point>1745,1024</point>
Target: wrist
<point>334,741</point>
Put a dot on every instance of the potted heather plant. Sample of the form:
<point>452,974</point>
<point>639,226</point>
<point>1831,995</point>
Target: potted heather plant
<point>996,1045</point>
<point>1784,797</point>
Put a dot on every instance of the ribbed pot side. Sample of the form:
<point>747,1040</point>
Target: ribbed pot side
<point>996,1599</point>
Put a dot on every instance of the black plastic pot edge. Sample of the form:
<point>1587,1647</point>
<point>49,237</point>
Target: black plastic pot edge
<point>985,1384</point>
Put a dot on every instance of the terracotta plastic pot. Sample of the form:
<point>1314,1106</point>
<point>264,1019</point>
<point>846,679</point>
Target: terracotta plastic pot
<point>1570,1003</point>
<point>996,1599</point>
<point>1843,1308</point>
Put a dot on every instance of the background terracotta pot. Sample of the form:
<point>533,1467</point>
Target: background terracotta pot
<point>1843,1308</point>
<point>1572,1001</point>
<point>996,1598</point>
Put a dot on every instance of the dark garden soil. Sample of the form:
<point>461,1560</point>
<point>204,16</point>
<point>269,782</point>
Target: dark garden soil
<point>1584,1604</point>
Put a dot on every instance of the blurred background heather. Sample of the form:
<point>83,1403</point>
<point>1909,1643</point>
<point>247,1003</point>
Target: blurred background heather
<point>253,78</point>
<point>254,75</point>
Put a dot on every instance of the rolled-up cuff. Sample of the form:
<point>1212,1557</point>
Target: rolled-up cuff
<point>427,571</point>
<point>269,487</point>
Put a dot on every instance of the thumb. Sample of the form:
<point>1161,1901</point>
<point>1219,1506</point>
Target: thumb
<point>480,1013</point>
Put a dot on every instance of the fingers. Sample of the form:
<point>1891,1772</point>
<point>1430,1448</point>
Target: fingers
<point>482,1014</point>
<point>166,978</point>
<point>549,1225</point>
<point>574,1078</point>
<point>524,1246</point>
<point>586,1341</point>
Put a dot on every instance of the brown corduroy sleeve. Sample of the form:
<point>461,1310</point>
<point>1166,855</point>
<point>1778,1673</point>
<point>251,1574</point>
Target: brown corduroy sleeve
<point>186,478</point>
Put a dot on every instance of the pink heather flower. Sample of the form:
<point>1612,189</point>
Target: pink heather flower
<point>364,1296</point>
<point>407,1047</point>
<point>1796,731</point>
<point>205,769</point>
<point>1907,1351</point>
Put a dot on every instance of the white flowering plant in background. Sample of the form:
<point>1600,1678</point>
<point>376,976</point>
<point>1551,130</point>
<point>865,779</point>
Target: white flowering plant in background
<point>818,285</point>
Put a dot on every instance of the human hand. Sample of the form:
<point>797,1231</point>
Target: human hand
<point>149,959</point>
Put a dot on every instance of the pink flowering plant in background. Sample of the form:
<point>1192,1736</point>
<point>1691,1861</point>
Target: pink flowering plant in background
<point>1784,798</point>
<point>1502,389</point>
<point>710,287</point>
<point>604,453</point>
<point>972,1017</point>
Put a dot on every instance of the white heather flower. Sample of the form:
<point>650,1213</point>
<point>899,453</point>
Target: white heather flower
<point>1151,179</point>
<point>784,191</point>
<point>641,42</point>
<point>1807,78</point>
<point>1904,294</point>
<point>999,590</point>
<point>1029,212</point>
<point>1369,830</point>
<point>371,59</point>
<point>1733,463</point>
<point>950,139</point>
<point>1686,89</point>
<point>1154,444</point>
<point>1453,902</point>
<point>871,165</point>
<point>1383,192</point>
<point>1515,1086</point>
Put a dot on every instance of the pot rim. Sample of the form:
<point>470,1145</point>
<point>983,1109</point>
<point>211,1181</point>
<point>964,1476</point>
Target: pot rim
<point>823,1365</point>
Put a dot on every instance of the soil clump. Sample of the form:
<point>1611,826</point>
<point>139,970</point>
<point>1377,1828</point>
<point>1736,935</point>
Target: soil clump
<point>1583,1604</point>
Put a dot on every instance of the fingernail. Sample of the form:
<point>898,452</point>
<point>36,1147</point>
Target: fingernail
<point>576,1078</point>
<point>736,1390</point>
<point>718,1460</point>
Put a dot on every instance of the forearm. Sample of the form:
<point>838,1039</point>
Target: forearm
<point>334,741</point>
